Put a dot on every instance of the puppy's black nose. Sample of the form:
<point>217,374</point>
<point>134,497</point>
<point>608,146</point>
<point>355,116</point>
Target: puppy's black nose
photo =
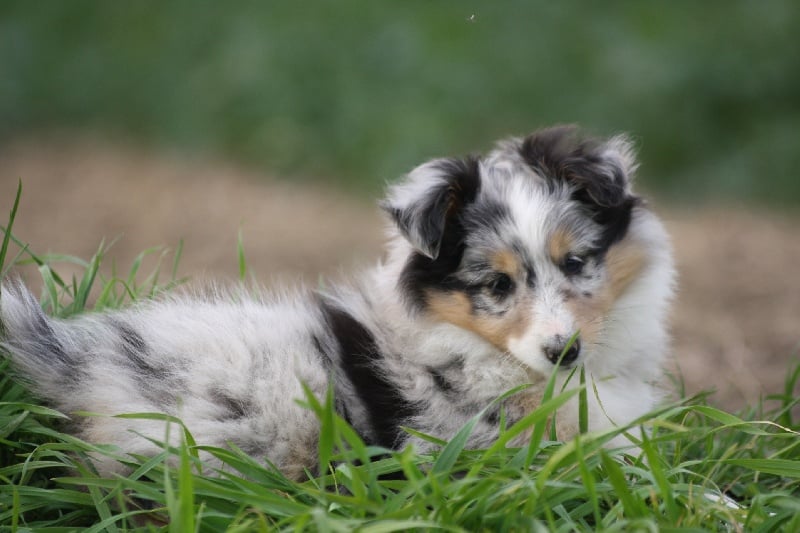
<point>554,350</point>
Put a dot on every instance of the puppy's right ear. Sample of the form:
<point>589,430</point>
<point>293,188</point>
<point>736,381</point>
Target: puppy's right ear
<point>431,196</point>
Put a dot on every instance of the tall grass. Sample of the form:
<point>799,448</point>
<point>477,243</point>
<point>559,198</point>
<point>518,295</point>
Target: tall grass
<point>696,467</point>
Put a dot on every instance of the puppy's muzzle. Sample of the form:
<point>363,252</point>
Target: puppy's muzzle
<point>557,346</point>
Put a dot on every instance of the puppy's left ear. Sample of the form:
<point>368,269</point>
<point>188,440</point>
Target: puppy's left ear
<point>599,172</point>
<point>605,171</point>
<point>603,175</point>
<point>426,204</point>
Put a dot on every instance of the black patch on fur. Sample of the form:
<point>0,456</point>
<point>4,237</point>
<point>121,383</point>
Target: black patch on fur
<point>40,333</point>
<point>421,273</point>
<point>484,215</point>
<point>560,155</point>
<point>341,408</point>
<point>441,381</point>
<point>317,342</point>
<point>387,408</point>
<point>40,341</point>
<point>340,405</point>
<point>615,222</point>
<point>159,385</point>
<point>464,216</point>
<point>324,356</point>
<point>492,416</point>
<point>232,408</point>
<point>253,448</point>
<point>428,220</point>
<point>446,377</point>
<point>136,350</point>
<point>45,336</point>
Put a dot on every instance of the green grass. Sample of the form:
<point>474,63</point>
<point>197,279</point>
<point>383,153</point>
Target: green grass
<point>692,458</point>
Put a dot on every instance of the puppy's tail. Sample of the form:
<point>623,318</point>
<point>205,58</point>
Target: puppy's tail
<point>38,346</point>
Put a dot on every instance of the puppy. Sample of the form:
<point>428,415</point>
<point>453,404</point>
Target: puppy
<point>493,265</point>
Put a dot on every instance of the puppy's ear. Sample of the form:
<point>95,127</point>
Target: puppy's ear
<point>599,172</point>
<point>426,203</point>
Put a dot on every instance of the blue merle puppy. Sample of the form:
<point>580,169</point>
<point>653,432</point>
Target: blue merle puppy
<point>493,264</point>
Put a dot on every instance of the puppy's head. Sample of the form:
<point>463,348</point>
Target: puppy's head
<point>526,247</point>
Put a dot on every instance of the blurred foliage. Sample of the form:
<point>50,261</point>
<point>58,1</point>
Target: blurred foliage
<point>360,92</point>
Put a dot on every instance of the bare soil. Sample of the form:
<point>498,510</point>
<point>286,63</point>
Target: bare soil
<point>736,324</point>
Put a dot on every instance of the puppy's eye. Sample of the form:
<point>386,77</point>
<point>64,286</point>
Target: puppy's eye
<point>502,285</point>
<point>572,265</point>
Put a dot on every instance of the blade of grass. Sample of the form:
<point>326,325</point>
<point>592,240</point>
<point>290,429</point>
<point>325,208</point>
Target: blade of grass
<point>176,259</point>
<point>103,510</point>
<point>632,506</point>
<point>187,436</point>
<point>7,233</point>
<point>186,492</point>
<point>327,428</point>
<point>15,509</point>
<point>87,281</point>
<point>779,467</point>
<point>789,399</point>
<point>39,261</point>
<point>447,458</point>
<point>50,301</point>
<point>588,479</point>
<point>240,255</point>
<point>660,477</point>
<point>583,405</point>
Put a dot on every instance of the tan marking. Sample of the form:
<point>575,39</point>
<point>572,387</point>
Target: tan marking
<point>455,308</point>
<point>506,261</point>
<point>560,244</point>
<point>527,401</point>
<point>624,262</point>
<point>301,456</point>
<point>589,314</point>
<point>521,405</point>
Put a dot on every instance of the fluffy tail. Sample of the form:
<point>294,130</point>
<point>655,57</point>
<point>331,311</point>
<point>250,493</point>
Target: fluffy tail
<point>31,339</point>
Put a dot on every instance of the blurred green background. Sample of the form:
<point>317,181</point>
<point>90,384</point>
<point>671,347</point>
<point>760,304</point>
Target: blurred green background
<point>359,92</point>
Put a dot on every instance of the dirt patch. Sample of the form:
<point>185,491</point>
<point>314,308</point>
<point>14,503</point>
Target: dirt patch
<point>737,319</point>
<point>736,322</point>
